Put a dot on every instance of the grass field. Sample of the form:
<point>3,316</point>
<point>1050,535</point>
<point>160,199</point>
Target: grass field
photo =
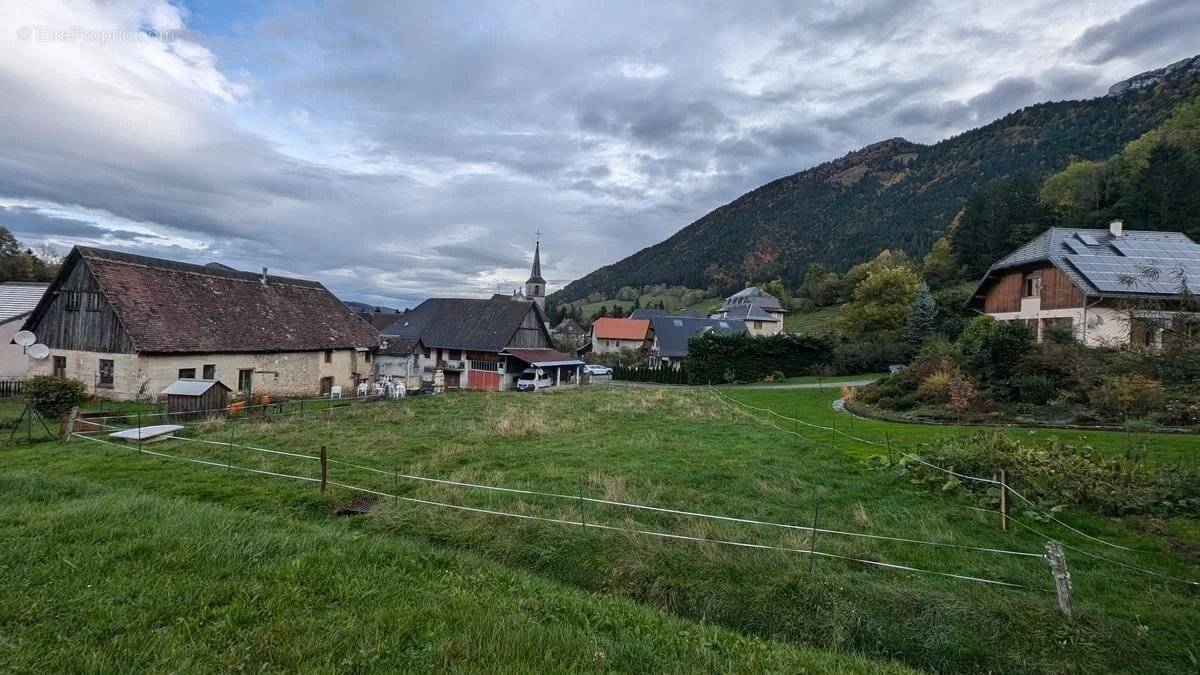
<point>703,308</point>
<point>817,322</point>
<point>680,449</point>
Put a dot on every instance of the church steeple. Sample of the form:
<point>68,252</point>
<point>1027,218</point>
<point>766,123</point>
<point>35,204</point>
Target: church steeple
<point>535,287</point>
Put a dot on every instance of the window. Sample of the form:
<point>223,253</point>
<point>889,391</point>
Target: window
<point>91,302</point>
<point>454,355</point>
<point>60,366</point>
<point>245,379</point>
<point>367,357</point>
<point>758,324</point>
<point>104,374</point>
<point>328,356</point>
<point>187,373</point>
<point>1033,287</point>
<point>326,385</point>
<point>72,300</point>
<point>210,371</point>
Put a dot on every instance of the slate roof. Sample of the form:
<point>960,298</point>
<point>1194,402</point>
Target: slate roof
<point>568,327</point>
<point>748,313</point>
<point>381,320</point>
<point>18,298</point>
<point>752,296</point>
<point>1100,263</point>
<point>464,323</point>
<point>393,345</point>
<point>671,333</point>
<point>607,328</point>
<point>173,307</point>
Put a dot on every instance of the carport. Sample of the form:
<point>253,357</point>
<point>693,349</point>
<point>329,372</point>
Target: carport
<point>565,367</point>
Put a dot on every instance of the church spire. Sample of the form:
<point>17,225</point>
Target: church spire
<point>535,287</point>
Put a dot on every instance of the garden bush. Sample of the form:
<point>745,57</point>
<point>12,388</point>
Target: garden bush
<point>1055,475</point>
<point>54,396</point>
<point>1037,389</point>
<point>935,388</point>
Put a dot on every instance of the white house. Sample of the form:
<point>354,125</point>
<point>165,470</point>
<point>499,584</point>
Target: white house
<point>17,300</point>
<point>1108,287</point>
<point>761,311</point>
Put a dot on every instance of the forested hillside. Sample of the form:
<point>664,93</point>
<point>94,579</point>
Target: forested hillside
<point>894,194</point>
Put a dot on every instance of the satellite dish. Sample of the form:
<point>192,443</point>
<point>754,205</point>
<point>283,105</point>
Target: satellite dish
<point>24,338</point>
<point>38,351</point>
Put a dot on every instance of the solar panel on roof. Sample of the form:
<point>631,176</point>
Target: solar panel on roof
<point>1136,274</point>
<point>1087,238</point>
<point>1158,249</point>
<point>1067,245</point>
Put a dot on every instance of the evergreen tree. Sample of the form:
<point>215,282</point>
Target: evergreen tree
<point>1164,195</point>
<point>922,317</point>
<point>996,219</point>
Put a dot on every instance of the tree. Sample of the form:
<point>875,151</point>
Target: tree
<point>880,306</point>
<point>1164,195</point>
<point>940,267</point>
<point>776,288</point>
<point>985,228</point>
<point>922,317</point>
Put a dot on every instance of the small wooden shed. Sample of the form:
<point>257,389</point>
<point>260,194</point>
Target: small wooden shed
<point>196,399</point>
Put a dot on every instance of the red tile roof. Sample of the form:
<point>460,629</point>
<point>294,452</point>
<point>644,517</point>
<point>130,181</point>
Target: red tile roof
<point>621,329</point>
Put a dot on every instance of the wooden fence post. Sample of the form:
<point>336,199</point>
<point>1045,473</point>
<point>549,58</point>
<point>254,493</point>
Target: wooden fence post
<point>812,539</point>
<point>324,468</point>
<point>1062,577</point>
<point>71,421</point>
<point>1003,499</point>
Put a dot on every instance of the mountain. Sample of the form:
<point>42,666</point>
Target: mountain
<point>893,194</point>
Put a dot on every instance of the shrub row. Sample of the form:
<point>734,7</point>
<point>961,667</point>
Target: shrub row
<point>659,375</point>
<point>714,358</point>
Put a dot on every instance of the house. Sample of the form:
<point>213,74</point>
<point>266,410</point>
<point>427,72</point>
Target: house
<point>474,343</point>
<point>1107,287</point>
<point>613,335</point>
<point>568,328</point>
<point>671,335</point>
<point>17,300</point>
<point>761,311</point>
<point>128,326</point>
<point>398,359</point>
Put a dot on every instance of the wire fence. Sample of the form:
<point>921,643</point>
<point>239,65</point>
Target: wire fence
<point>1001,484</point>
<point>396,477</point>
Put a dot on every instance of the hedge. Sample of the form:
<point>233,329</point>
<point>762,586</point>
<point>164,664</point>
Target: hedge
<point>714,357</point>
<point>659,375</point>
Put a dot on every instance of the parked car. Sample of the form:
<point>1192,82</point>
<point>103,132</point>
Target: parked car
<point>532,379</point>
<point>597,369</point>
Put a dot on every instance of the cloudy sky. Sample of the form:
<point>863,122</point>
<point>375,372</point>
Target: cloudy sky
<point>397,150</point>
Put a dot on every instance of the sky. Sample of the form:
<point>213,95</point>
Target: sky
<point>401,150</point>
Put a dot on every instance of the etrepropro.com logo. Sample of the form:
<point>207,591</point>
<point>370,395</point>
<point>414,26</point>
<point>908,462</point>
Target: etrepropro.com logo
<point>85,34</point>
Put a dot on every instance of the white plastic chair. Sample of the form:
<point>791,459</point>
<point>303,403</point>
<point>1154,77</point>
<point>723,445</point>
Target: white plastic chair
<point>335,391</point>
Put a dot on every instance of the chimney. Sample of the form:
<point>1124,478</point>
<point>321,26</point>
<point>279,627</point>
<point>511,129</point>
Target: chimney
<point>1116,228</point>
<point>264,277</point>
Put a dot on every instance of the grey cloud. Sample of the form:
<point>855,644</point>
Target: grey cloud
<point>1167,29</point>
<point>608,126</point>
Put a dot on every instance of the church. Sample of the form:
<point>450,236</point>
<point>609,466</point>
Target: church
<point>481,344</point>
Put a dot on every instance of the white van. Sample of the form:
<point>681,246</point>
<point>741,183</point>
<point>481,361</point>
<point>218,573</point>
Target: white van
<point>532,379</point>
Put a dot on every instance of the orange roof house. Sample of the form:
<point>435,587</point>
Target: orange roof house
<point>610,335</point>
<point>621,329</point>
